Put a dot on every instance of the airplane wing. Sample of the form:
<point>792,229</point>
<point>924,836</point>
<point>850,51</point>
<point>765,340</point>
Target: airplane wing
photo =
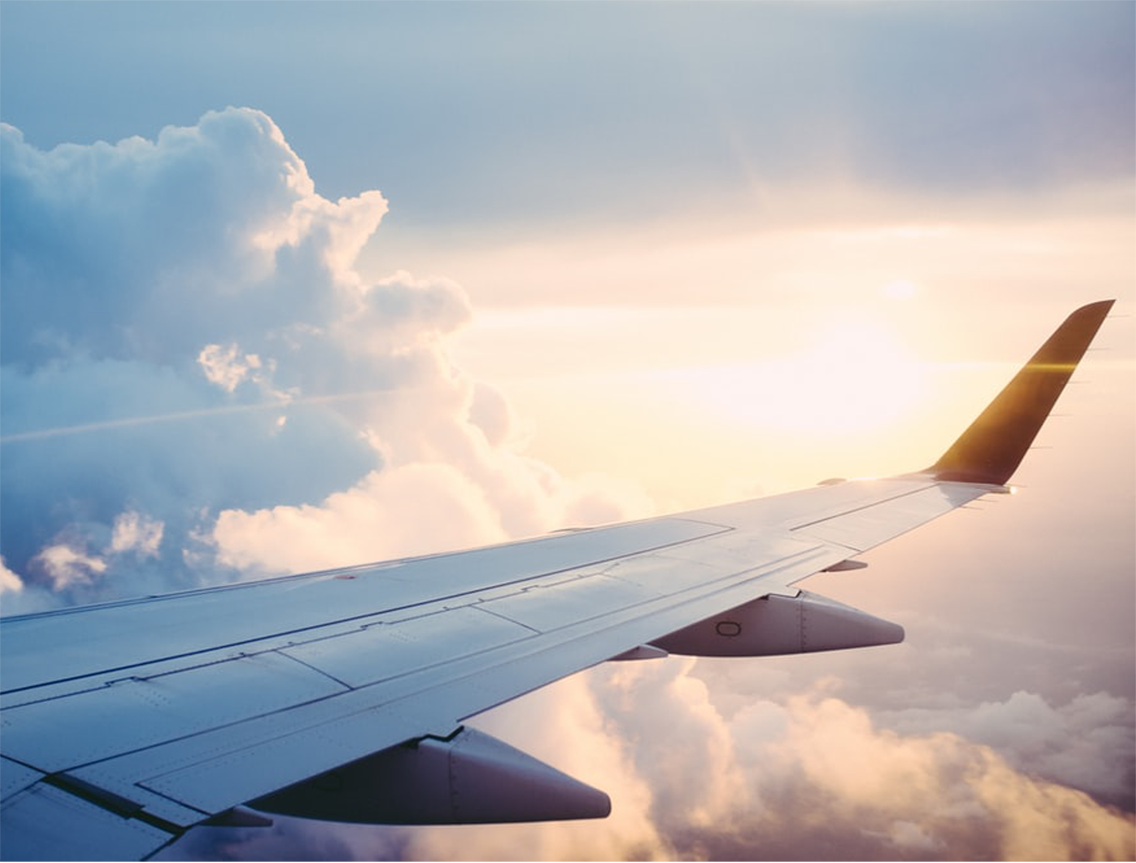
<point>341,695</point>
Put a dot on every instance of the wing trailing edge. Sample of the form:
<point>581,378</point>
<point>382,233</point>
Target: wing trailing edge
<point>991,449</point>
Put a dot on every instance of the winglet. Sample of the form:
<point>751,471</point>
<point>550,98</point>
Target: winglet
<point>994,445</point>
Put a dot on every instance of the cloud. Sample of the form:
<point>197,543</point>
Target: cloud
<point>65,565</point>
<point>810,776</point>
<point>136,533</point>
<point>198,384</point>
<point>1086,743</point>
<point>9,581</point>
<point>225,367</point>
<point>391,513</point>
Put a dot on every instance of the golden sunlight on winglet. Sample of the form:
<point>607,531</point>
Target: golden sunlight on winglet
<point>991,449</point>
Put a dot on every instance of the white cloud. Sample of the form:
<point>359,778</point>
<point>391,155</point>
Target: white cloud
<point>196,301</point>
<point>137,533</point>
<point>802,777</point>
<point>225,366</point>
<point>66,566</point>
<point>407,510</point>
<point>9,581</point>
<point>1086,743</point>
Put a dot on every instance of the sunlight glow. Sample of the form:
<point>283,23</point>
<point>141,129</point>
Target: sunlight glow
<point>851,378</point>
<point>900,289</point>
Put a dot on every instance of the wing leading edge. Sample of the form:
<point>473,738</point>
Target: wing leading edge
<point>341,695</point>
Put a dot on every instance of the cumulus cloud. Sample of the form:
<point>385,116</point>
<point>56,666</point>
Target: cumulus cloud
<point>1086,743</point>
<point>225,367</point>
<point>65,565</point>
<point>390,513</point>
<point>811,776</point>
<point>199,385</point>
<point>9,581</point>
<point>134,532</point>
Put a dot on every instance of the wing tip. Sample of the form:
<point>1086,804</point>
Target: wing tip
<point>993,446</point>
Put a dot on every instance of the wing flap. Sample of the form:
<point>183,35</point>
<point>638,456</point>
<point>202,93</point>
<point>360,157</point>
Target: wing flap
<point>138,712</point>
<point>46,823</point>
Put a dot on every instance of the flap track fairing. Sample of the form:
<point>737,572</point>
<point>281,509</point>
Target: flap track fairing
<point>775,625</point>
<point>468,778</point>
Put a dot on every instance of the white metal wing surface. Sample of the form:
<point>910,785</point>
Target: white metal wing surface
<point>342,694</point>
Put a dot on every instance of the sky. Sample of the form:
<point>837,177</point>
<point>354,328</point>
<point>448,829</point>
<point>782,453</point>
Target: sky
<point>288,285</point>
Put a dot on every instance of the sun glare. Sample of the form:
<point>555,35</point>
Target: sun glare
<point>852,377</point>
<point>900,289</point>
